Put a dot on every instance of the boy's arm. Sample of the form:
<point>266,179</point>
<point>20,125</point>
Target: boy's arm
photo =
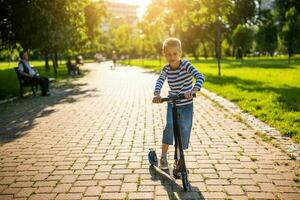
<point>199,77</point>
<point>160,81</point>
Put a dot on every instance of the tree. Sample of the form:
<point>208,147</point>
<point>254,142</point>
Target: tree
<point>63,27</point>
<point>213,14</point>
<point>157,18</point>
<point>121,39</point>
<point>49,26</point>
<point>281,7</point>
<point>191,40</point>
<point>266,37</point>
<point>290,32</point>
<point>6,34</point>
<point>94,15</point>
<point>183,25</point>
<point>242,38</point>
<point>244,12</point>
<point>287,18</point>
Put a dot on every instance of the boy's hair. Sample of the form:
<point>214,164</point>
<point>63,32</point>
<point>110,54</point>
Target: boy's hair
<point>171,42</point>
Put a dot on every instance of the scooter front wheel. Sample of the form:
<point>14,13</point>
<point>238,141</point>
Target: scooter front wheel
<point>185,182</point>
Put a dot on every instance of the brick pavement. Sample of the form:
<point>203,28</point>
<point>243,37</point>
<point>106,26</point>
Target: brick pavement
<point>91,141</point>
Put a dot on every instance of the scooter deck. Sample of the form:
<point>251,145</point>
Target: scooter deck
<point>167,175</point>
<point>154,163</point>
<point>166,172</point>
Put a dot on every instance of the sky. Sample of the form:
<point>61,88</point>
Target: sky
<point>141,3</point>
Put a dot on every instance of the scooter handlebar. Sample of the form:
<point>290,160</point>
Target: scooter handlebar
<point>174,98</point>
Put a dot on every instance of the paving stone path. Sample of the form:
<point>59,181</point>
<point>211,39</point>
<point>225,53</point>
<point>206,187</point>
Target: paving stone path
<point>90,141</point>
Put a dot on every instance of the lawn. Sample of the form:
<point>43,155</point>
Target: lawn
<point>9,85</point>
<point>267,88</point>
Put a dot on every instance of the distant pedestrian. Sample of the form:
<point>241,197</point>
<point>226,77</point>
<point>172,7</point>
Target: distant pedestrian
<point>114,58</point>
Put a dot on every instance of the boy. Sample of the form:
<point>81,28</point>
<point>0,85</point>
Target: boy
<point>180,75</point>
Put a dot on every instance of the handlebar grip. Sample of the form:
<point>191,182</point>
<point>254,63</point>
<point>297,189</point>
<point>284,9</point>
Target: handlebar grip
<point>165,99</point>
<point>181,96</point>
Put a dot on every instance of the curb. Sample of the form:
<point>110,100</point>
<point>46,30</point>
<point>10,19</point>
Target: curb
<point>8,100</point>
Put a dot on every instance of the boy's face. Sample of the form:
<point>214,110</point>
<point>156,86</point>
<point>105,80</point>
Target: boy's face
<point>173,55</point>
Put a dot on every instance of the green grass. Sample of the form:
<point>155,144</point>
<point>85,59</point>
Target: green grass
<point>267,88</point>
<point>9,85</point>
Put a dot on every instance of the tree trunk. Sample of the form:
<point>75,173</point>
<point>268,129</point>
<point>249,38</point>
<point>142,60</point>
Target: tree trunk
<point>54,62</point>
<point>195,54</point>
<point>233,51</point>
<point>159,60</point>
<point>128,59</point>
<point>56,59</point>
<point>218,47</point>
<point>47,67</point>
<point>205,50</point>
<point>60,59</point>
<point>239,54</point>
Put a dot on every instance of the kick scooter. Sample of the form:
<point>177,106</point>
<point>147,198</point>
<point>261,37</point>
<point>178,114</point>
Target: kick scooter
<point>180,170</point>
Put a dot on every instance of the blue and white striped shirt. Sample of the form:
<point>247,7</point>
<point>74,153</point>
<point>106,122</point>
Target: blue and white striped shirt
<point>180,80</point>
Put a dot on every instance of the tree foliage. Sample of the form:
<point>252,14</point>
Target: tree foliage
<point>94,16</point>
<point>204,27</point>
<point>291,30</point>
<point>266,36</point>
<point>55,26</point>
<point>242,38</point>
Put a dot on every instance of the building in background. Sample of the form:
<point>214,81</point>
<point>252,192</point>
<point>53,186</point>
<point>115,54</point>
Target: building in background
<point>122,11</point>
<point>121,22</point>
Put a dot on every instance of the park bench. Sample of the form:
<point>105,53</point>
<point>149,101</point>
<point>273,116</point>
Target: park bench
<point>25,81</point>
<point>73,68</point>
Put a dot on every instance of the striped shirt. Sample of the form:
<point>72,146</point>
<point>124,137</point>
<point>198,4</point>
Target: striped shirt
<point>180,80</point>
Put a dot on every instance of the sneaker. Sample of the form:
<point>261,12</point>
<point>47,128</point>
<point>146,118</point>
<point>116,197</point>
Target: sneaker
<point>163,163</point>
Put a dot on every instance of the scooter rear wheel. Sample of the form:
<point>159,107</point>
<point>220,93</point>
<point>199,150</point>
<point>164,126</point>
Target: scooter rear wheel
<point>176,170</point>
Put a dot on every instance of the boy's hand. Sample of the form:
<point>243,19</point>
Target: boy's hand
<point>189,94</point>
<point>156,99</point>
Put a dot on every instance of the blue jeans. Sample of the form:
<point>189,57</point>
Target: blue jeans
<point>185,121</point>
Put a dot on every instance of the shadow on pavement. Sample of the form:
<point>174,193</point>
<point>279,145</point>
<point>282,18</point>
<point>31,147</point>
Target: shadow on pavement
<point>174,190</point>
<point>20,116</point>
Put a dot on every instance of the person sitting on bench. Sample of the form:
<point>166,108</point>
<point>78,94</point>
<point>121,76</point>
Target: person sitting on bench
<point>73,68</point>
<point>32,75</point>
